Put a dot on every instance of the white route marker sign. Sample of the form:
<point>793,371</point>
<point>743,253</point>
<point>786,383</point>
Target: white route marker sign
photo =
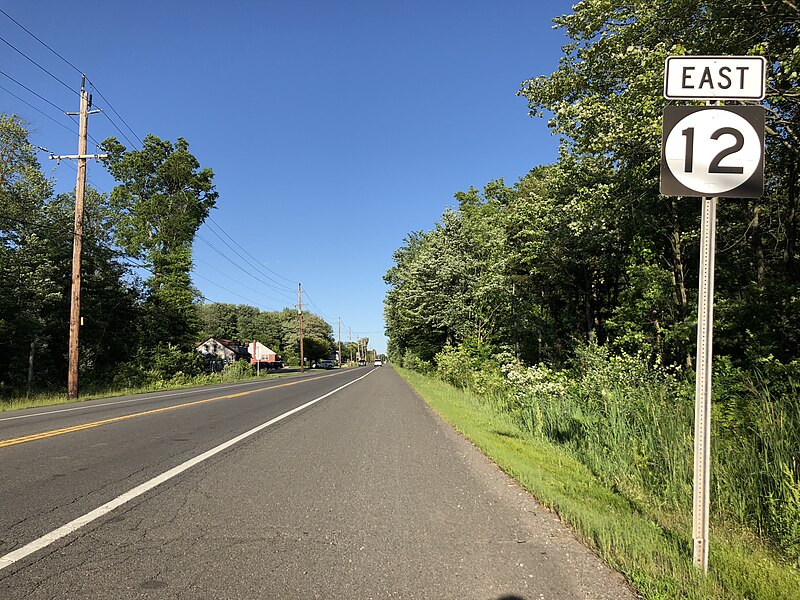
<point>715,78</point>
<point>713,151</point>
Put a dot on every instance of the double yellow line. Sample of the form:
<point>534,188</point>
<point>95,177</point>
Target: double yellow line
<point>54,432</point>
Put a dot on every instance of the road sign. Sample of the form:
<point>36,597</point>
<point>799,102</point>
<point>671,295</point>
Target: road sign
<point>715,78</point>
<point>713,151</point>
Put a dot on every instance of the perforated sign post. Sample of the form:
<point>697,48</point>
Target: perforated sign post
<point>710,152</point>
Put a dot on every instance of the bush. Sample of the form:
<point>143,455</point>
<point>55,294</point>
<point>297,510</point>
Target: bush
<point>130,375</point>
<point>455,366</point>
<point>166,361</point>
<point>237,370</point>
<point>415,363</point>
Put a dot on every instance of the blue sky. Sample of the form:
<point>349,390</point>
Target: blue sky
<point>329,125</point>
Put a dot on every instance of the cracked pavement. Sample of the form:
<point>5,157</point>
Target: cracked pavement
<point>367,494</point>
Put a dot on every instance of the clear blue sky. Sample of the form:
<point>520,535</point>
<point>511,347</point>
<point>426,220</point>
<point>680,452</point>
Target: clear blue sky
<point>329,125</point>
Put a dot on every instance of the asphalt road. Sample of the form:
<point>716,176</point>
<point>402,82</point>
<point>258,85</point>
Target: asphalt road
<point>365,493</point>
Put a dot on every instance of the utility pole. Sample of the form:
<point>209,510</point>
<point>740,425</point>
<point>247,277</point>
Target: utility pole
<point>300,314</point>
<point>350,344</point>
<point>77,238</point>
<point>340,341</point>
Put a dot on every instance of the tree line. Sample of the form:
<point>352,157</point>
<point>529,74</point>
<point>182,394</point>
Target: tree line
<point>586,249</point>
<point>136,328</point>
<point>278,330</point>
<point>567,301</point>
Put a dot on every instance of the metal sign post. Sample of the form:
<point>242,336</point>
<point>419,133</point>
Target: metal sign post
<point>702,393</point>
<point>710,152</point>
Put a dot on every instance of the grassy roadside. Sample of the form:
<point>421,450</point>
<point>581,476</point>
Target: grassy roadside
<point>38,400</point>
<point>651,547</point>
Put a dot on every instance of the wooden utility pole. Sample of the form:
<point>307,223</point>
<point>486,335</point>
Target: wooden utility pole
<point>350,345</point>
<point>77,238</point>
<point>300,315</point>
<point>340,341</point>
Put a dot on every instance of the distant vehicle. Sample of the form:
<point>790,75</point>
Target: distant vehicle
<point>325,364</point>
<point>362,363</point>
<point>377,363</point>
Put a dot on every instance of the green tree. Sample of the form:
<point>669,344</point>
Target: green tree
<point>605,101</point>
<point>318,340</point>
<point>162,199</point>
<point>35,267</point>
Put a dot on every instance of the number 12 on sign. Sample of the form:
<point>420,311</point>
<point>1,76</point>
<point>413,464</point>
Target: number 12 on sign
<point>713,151</point>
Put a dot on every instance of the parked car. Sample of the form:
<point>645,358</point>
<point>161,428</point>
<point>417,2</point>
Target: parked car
<point>378,363</point>
<point>325,364</point>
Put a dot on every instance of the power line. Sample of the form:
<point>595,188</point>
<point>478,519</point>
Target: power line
<point>21,53</point>
<point>38,40</point>
<point>234,263</point>
<point>61,110</point>
<point>127,139</point>
<point>223,273</point>
<point>94,87</point>
<point>36,109</point>
<point>40,97</point>
<point>256,304</point>
<point>314,304</point>
<point>218,226</point>
<point>279,287</point>
<point>114,110</point>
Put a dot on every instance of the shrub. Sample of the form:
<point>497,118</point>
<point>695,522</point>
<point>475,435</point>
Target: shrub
<point>455,366</point>
<point>415,363</point>
<point>166,361</point>
<point>237,370</point>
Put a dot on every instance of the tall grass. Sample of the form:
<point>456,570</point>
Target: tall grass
<point>632,424</point>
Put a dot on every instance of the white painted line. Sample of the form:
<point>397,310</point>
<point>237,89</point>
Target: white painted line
<point>55,535</point>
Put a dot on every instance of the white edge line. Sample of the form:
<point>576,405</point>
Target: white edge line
<point>55,535</point>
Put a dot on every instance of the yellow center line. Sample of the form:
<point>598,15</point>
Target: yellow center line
<point>54,432</point>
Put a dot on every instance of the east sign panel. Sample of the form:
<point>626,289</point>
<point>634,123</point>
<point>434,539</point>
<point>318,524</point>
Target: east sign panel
<point>714,78</point>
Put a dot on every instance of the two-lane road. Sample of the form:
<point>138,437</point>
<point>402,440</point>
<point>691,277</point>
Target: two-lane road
<point>339,484</point>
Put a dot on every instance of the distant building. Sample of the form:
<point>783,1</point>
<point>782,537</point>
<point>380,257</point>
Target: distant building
<point>227,351</point>
<point>260,353</point>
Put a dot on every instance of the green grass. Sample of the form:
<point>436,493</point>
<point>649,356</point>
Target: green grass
<point>651,547</point>
<point>50,399</point>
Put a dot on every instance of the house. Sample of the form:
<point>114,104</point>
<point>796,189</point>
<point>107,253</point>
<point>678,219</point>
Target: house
<point>264,358</point>
<point>260,353</point>
<point>227,351</point>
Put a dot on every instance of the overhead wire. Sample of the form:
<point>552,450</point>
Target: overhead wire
<point>233,262</point>
<point>251,260</point>
<point>223,273</point>
<point>58,108</point>
<point>5,89</point>
<point>94,87</point>
<point>211,281</point>
<point>114,110</point>
<point>38,40</point>
<point>319,310</point>
<point>278,287</point>
<point>21,53</point>
<point>218,226</point>
<point>127,139</point>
